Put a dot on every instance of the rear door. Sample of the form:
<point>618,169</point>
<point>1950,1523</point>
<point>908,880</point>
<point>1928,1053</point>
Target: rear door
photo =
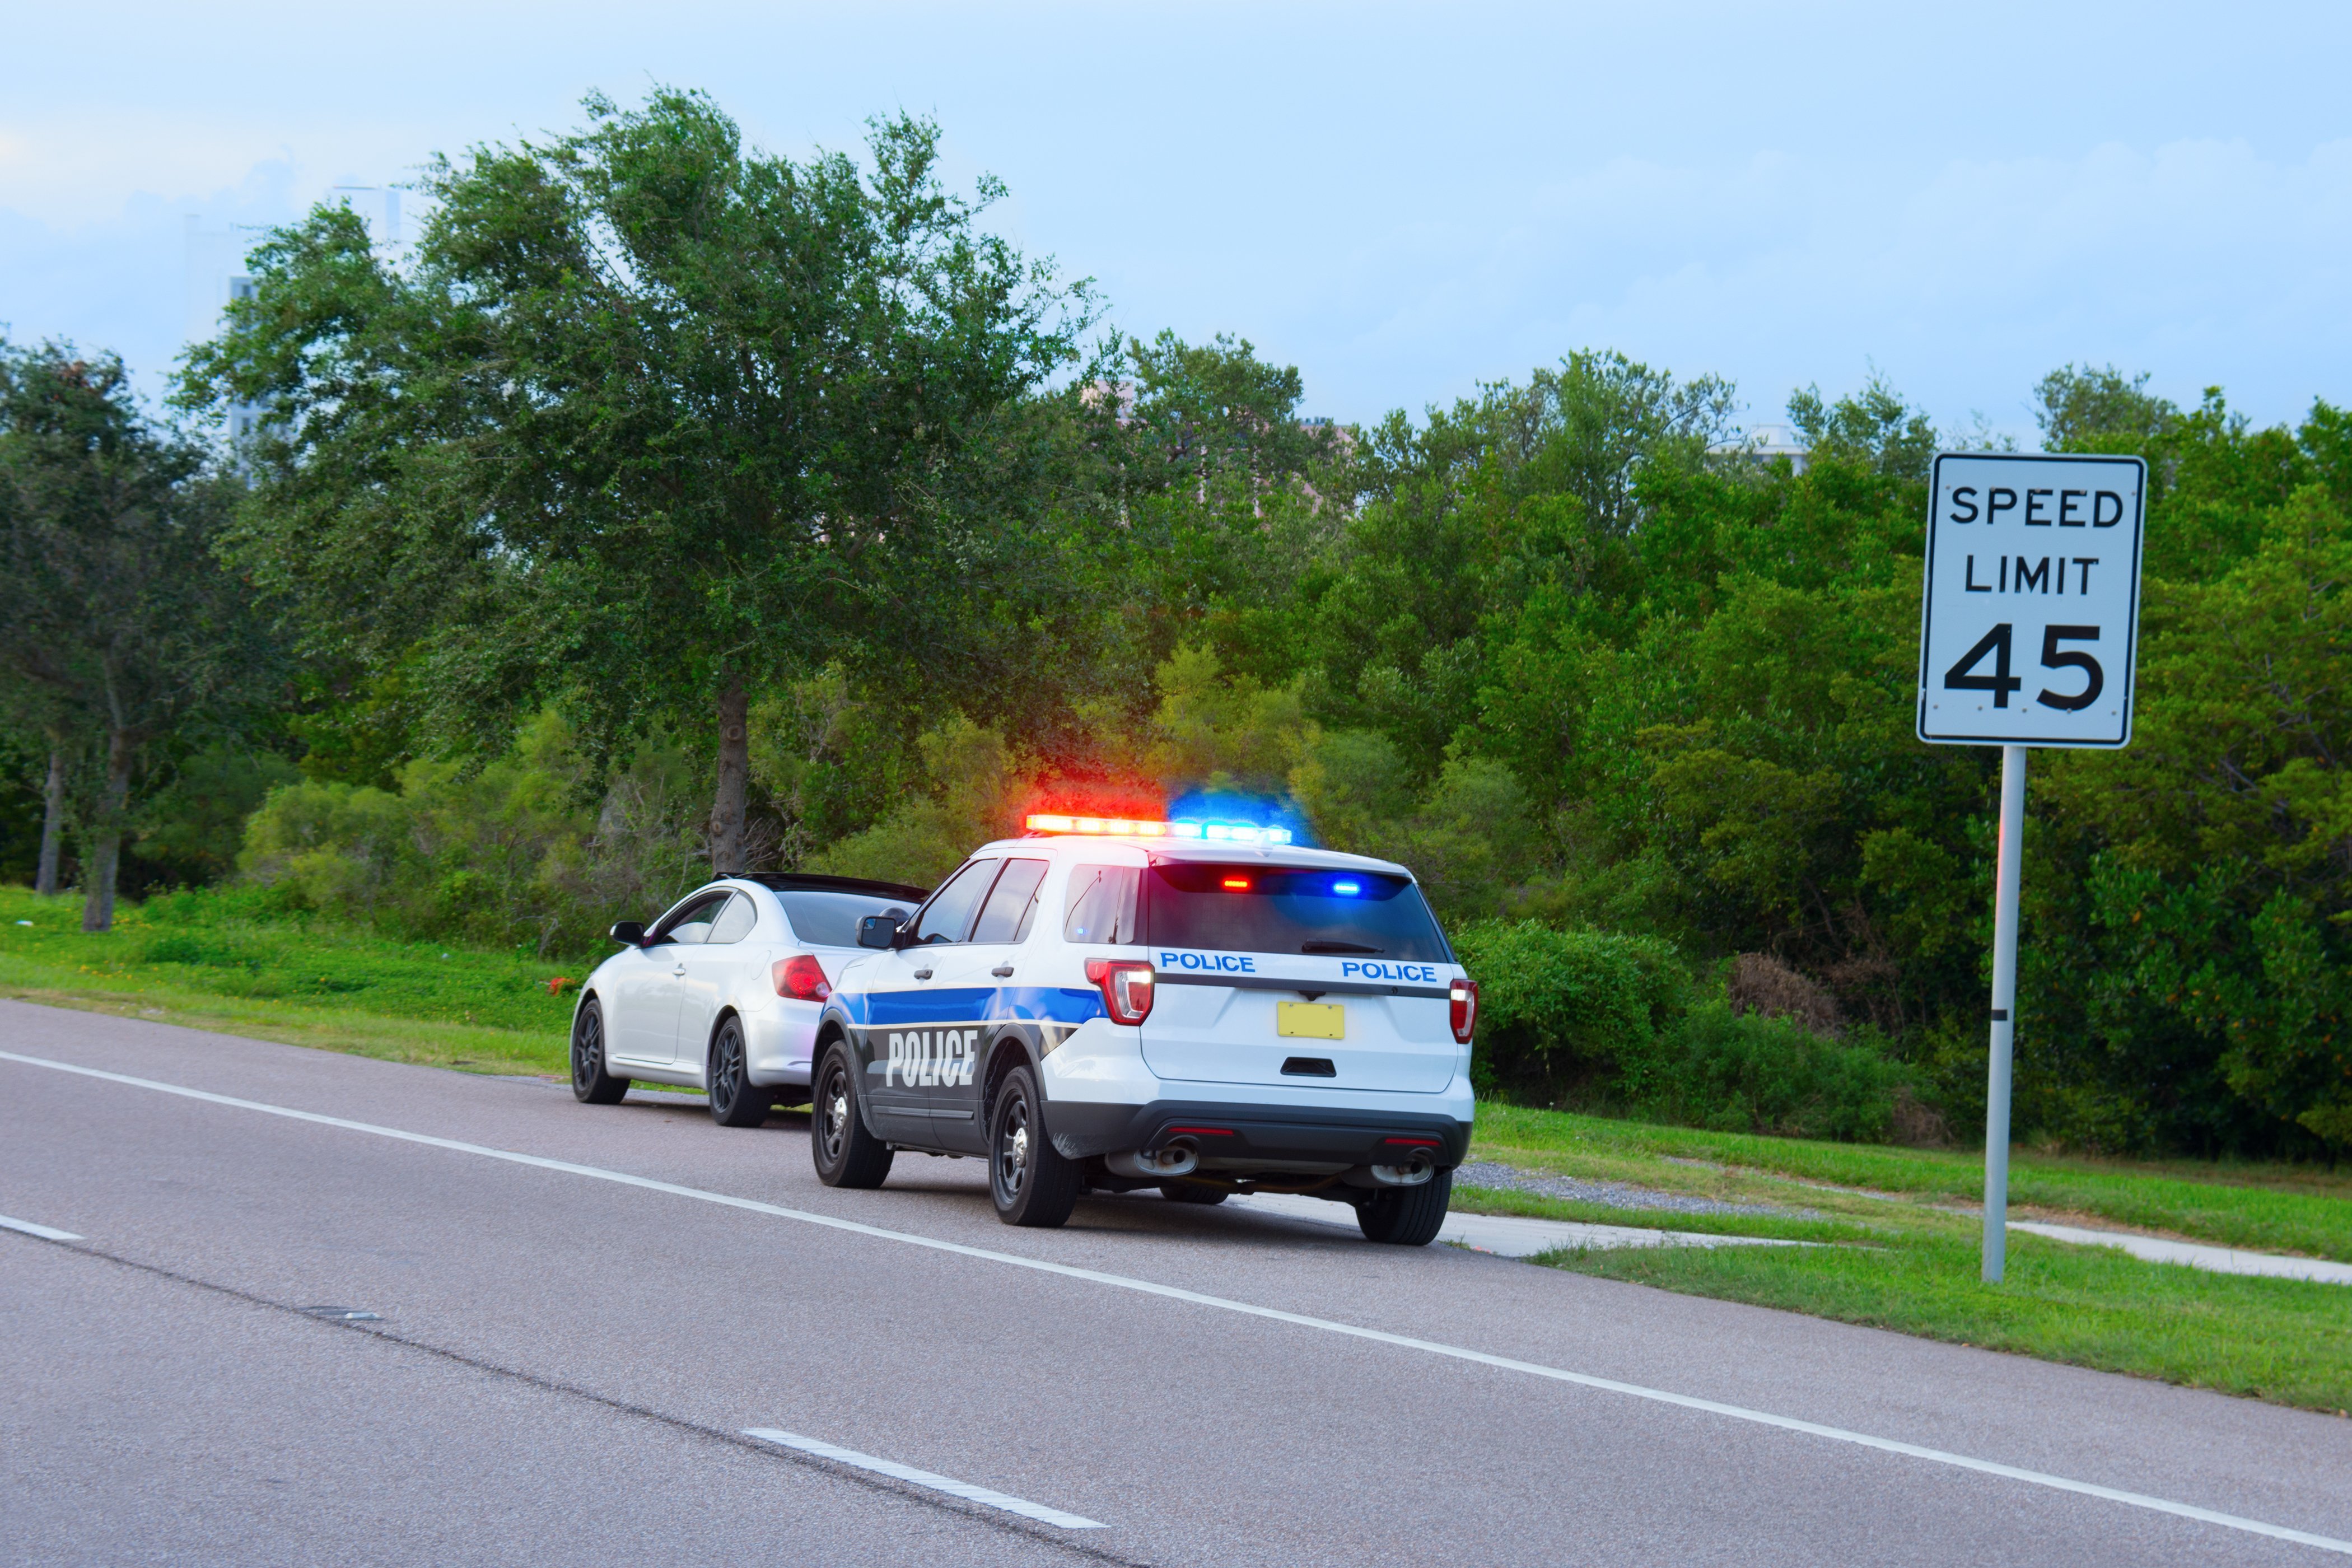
<point>1296,975</point>
<point>980,976</point>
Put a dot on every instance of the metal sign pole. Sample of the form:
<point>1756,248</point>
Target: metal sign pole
<point>2004,1005</point>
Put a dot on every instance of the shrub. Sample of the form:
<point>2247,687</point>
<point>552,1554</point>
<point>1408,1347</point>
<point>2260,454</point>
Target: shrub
<point>1570,1015</point>
<point>1746,1072</point>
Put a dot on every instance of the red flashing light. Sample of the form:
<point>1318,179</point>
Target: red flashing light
<point>1462,1009</point>
<point>801,978</point>
<point>1237,884</point>
<point>1125,988</point>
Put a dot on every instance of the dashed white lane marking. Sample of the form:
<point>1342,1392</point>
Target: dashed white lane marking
<point>46,1232</point>
<point>1021,1506</point>
<point>1195,1298</point>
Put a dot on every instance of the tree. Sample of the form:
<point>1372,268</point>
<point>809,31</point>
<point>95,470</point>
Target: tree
<point>650,420</point>
<point>113,611</point>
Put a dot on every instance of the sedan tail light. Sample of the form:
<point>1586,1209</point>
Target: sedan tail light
<point>1125,988</point>
<point>801,979</point>
<point>1462,1009</point>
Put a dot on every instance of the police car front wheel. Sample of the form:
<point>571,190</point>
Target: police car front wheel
<point>846,1155</point>
<point>1032,1182</point>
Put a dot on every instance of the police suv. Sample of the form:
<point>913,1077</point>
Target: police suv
<point>1114,1006</point>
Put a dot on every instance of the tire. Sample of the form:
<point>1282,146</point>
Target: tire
<point>591,1084</point>
<point>1191,1193</point>
<point>846,1155</point>
<point>1407,1217</point>
<point>735,1099</point>
<point>1032,1182</point>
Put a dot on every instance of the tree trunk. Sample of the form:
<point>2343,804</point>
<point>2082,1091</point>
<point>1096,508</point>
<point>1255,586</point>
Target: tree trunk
<point>106,841</point>
<point>734,780</point>
<point>53,824</point>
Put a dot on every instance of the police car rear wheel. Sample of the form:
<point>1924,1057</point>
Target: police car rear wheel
<point>591,1084</point>
<point>1032,1182</point>
<point>846,1155</point>
<point>1407,1217</point>
<point>735,1099</point>
<point>1191,1193</point>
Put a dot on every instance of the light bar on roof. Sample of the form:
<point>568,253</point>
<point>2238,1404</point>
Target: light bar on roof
<point>1127,827</point>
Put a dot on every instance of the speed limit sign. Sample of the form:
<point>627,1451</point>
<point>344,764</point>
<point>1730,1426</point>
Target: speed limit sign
<point>2030,628</point>
<point>2029,635</point>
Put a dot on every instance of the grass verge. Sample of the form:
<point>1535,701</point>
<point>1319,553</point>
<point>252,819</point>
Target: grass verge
<point>231,960</point>
<point>1905,1254</point>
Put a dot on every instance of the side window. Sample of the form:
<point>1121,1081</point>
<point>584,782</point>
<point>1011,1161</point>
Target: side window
<point>1005,916</point>
<point>1102,905</point>
<point>692,923</point>
<point>735,923</point>
<point>948,915</point>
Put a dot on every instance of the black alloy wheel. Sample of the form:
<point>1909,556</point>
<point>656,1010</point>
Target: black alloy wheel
<point>591,1084</point>
<point>845,1153</point>
<point>1407,1217</point>
<point>1031,1184</point>
<point>735,1099</point>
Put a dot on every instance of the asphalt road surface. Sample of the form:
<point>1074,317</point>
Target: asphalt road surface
<point>580,1312</point>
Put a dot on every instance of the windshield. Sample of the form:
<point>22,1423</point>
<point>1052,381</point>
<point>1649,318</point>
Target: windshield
<point>830,919</point>
<point>1282,909</point>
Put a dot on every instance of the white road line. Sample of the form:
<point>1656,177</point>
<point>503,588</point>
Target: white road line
<point>1194,1298</point>
<point>46,1232</point>
<point>1021,1506</point>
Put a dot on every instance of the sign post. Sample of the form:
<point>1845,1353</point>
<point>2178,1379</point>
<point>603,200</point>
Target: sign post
<point>2028,558</point>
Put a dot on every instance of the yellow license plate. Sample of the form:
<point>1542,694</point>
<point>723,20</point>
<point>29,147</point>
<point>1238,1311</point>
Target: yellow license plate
<point>1310,1020</point>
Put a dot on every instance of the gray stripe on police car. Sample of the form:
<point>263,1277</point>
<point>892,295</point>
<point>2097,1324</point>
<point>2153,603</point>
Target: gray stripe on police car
<point>1273,1314</point>
<point>897,1471</point>
<point>46,1232</point>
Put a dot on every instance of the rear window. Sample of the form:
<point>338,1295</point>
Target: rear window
<point>1261,908</point>
<point>830,919</point>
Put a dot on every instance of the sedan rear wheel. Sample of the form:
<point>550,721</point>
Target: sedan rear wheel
<point>591,1084</point>
<point>735,1099</point>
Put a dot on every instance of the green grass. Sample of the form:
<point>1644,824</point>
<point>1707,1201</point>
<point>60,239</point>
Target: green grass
<point>235,960</point>
<point>2263,1207</point>
<point>1905,1247</point>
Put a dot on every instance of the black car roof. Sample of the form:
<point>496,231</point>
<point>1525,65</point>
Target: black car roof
<point>806,882</point>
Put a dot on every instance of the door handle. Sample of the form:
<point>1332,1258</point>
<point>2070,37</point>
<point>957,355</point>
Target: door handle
<point>1002,972</point>
<point>922,974</point>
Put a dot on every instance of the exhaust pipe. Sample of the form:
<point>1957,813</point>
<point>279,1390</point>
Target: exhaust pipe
<point>1413,1175</point>
<point>1173,1160</point>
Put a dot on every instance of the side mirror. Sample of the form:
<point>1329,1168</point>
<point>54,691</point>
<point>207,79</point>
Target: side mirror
<point>879,932</point>
<point>631,932</point>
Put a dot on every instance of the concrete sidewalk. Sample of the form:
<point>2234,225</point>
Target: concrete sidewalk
<point>2218,1259</point>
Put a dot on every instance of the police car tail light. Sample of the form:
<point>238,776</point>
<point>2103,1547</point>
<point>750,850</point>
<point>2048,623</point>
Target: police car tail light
<point>1462,1009</point>
<point>801,978</point>
<point>1125,988</point>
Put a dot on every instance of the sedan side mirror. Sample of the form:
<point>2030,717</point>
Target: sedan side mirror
<point>879,932</point>
<point>631,932</point>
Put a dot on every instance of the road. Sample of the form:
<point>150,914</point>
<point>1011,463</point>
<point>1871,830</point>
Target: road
<point>580,1312</point>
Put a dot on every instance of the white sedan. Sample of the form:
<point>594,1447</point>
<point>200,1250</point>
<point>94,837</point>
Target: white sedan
<point>723,992</point>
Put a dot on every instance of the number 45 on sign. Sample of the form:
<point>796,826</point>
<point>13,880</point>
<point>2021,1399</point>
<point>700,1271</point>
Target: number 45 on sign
<point>2028,558</point>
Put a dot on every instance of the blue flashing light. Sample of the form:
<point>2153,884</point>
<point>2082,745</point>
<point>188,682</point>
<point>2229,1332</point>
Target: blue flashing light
<point>1347,889</point>
<point>1229,832</point>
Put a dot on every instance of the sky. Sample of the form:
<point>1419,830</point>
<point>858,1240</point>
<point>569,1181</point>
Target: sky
<point>1402,202</point>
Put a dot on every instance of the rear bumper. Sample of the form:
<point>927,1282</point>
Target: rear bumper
<point>1276,1134</point>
